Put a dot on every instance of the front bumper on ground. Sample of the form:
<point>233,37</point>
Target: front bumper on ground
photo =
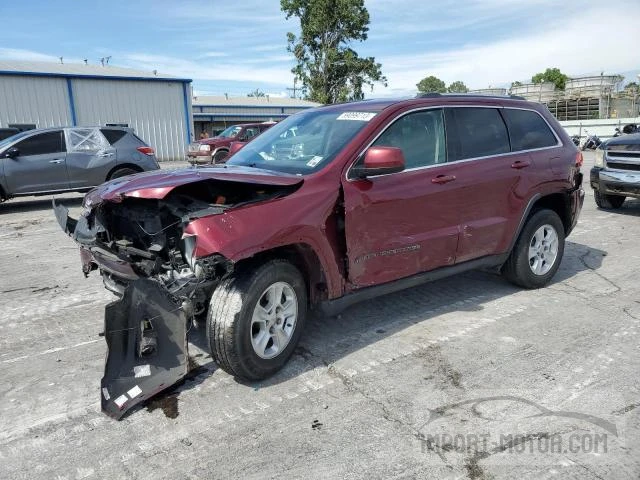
<point>615,182</point>
<point>145,330</point>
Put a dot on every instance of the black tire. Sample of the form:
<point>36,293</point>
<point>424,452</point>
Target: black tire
<point>608,202</point>
<point>517,268</point>
<point>219,156</point>
<point>122,172</point>
<point>229,321</point>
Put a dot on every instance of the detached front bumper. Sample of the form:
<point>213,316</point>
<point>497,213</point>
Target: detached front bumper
<point>616,182</point>
<point>145,330</point>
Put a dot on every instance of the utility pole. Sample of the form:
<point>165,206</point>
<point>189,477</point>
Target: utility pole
<point>294,89</point>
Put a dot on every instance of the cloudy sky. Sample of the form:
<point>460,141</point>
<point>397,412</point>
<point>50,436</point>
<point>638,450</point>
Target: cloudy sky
<point>236,47</point>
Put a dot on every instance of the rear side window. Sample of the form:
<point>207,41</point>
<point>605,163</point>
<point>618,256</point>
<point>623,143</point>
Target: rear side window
<point>528,130</point>
<point>420,136</point>
<point>85,140</point>
<point>43,143</point>
<point>112,135</point>
<point>480,132</point>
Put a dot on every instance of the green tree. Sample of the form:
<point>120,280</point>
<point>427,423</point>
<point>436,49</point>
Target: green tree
<point>516,84</point>
<point>431,84</point>
<point>457,87</point>
<point>553,75</point>
<point>256,93</point>
<point>631,87</point>
<point>329,69</point>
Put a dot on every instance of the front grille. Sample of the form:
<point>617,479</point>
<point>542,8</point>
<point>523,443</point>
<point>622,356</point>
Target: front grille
<point>194,147</point>
<point>624,166</point>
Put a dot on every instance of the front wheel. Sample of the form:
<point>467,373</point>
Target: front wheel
<point>538,252</point>
<point>608,201</point>
<point>256,318</point>
<point>219,156</point>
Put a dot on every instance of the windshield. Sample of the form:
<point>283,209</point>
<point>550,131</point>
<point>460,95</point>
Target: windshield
<point>230,132</point>
<point>303,143</point>
<point>13,138</point>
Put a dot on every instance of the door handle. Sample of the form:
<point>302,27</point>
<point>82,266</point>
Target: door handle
<point>57,160</point>
<point>440,179</point>
<point>105,155</point>
<point>520,164</point>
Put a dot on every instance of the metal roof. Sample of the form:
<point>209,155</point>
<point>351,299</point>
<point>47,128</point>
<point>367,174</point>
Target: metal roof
<point>80,70</point>
<point>222,101</point>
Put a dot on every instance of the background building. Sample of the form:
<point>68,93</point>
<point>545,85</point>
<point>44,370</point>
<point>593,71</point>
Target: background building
<point>215,113</point>
<point>158,107</point>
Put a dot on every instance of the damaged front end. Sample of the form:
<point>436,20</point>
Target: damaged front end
<point>146,258</point>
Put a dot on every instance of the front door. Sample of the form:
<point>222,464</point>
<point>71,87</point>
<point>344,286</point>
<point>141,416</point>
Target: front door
<point>400,224</point>
<point>40,165</point>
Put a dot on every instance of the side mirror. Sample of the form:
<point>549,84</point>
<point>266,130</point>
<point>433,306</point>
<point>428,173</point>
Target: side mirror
<point>235,146</point>
<point>380,161</point>
<point>13,152</point>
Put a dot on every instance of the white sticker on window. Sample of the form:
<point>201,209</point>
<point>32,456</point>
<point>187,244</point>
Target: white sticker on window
<point>314,161</point>
<point>121,400</point>
<point>358,116</point>
<point>141,371</point>
<point>134,392</point>
<point>105,392</point>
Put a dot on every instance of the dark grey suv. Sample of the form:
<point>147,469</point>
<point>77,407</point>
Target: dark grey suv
<point>70,159</point>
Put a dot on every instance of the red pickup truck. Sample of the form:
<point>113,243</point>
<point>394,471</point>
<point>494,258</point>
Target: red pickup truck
<point>330,206</point>
<point>215,149</point>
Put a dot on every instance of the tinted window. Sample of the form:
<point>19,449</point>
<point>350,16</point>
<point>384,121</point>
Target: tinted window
<point>528,130</point>
<point>480,132</point>
<point>250,132</point>
<point>49,142</point>
<point>420,136</point>
<point>113,136</point>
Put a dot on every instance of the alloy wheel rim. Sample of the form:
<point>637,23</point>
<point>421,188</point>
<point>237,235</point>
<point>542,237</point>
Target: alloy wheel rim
<point>274,320</point>
<point>543,250</point>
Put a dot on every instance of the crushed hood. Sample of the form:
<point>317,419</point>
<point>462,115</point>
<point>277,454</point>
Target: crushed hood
<point>158,184</point>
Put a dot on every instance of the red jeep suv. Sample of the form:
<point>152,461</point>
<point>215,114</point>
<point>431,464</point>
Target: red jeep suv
<point>331,206</point>
<point>216,149</point>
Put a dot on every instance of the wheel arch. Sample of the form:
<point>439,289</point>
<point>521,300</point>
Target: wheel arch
<point>558,202</point>
<point>121,166</point>
<point>304,258</point>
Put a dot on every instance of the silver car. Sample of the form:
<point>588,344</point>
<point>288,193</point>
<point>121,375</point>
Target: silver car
<point>52,160</point>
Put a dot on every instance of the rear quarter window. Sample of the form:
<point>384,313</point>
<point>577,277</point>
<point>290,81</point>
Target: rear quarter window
<point>113,135</point>
<point>528,130</point>
<point>480,132</point>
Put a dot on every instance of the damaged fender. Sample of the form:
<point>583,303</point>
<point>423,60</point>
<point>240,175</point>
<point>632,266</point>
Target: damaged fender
<point>146,334</point>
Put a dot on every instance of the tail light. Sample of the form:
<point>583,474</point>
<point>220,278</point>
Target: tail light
<point>579,159</point>
<point>146,150</point>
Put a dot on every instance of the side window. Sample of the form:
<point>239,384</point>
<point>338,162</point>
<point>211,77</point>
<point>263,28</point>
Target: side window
<point>480,132</point>
<point>43,143</point>
<point>528,130</point>
<point>420,136</point>
<point>112,135</point>
<point>251,132</point>
<point>85,140</point>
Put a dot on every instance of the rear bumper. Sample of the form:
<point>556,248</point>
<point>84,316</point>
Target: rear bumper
<point>615,182</point>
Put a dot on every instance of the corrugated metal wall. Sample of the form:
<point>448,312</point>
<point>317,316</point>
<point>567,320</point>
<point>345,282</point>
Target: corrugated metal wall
<point>154,109</point>
<point>42,101</point>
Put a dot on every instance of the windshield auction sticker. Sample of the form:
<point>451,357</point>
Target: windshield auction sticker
<point>358,116</point>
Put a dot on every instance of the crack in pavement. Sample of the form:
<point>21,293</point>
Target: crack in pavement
<point>582,259</point>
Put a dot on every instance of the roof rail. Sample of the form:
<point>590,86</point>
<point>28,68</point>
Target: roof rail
<point>466,95</point>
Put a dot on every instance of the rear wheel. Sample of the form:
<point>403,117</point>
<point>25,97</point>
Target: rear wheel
<point>122,172</point>
<point>256,318</point>
<point>608,201</point>
<point>538,251</point>
<point>219,156</point>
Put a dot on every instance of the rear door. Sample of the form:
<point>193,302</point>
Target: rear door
<point>40,165</point>
<point>90,157</point>
<point>491,178</point>
<point>404,223</point>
